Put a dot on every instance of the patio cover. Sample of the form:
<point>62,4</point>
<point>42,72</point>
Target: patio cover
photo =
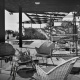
<point>44,17</point>
<point>42,5</point>
<point>36,6</point>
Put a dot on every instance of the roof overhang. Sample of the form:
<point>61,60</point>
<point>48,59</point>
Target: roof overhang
<point>42,6</point>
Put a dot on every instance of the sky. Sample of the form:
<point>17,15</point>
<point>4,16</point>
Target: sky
<point>11,21</point>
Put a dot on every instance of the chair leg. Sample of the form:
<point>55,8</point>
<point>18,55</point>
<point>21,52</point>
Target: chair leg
<point>46,62</point>
<point>14,76</point>
<point>52,60</point>
<point>43,59</point>
<point>1,67</point>
<point>57,58</point>
<point>1,63</point>
<point>14,73</point>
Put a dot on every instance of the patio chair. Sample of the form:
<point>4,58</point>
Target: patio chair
<point>23,67</point>
<point>6,53</point>
<point>44,55</point>
<point>45,50</point>
<point>59,72</point>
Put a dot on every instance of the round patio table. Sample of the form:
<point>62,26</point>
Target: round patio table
<point>26,72</point>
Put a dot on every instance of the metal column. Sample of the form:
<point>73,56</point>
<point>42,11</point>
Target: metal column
<point>2,21</point>
<point>20,26</point>
<point>75,38</point>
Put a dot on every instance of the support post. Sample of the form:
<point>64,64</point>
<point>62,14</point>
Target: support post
<point>31,30</point>
<point>50,27</point>
<point>75,38</point>
<point>40,25</point>
<point>20,26</point>
<point>2,21</point>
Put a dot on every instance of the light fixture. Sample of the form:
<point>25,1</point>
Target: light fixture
<point>11,13</point>
<point>37,3</point>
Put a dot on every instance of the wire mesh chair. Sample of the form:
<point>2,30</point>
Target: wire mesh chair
<point>59,72</point>
<point>44,55</point>
<point>45,51</point>
<point>6,53</point>
<point>23,67</point>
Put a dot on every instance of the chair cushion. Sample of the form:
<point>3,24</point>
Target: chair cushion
<point>6,49</point>
<point>26,72</point>
<point>42,55</point>
<point>46,47</point>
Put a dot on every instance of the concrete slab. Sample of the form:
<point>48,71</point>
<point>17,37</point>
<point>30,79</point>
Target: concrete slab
<point>73,77</point>
<point>6,77</point>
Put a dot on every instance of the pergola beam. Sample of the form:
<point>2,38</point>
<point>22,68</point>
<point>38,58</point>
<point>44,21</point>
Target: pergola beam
<point>30,18</point>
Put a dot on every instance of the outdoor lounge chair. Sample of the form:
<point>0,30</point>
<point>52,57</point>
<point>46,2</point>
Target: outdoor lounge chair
<point>59,72</point>
<point>6,53</point>
<point>23,67</point>
<point>45,50</point>
<point>44,55</point>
